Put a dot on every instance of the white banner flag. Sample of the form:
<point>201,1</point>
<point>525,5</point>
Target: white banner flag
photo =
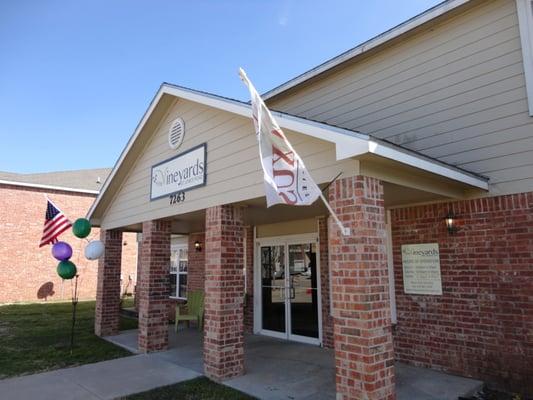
<point>287,181</point>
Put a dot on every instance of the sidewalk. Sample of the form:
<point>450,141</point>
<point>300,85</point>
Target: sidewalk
<point>103,380</point>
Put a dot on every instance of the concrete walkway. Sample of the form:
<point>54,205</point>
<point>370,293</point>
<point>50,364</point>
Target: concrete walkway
<point>103,380</point>
<point>282,370</point>
<point>275,370</point>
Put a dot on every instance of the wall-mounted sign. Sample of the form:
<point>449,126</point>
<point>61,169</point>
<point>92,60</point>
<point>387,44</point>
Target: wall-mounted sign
<point>421,268</point>
<point>183,172</point>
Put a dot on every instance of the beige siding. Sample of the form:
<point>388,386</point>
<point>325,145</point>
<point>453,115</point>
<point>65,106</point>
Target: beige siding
<point>455,92</point>
<point>297,227</point>
<point>233,167</point>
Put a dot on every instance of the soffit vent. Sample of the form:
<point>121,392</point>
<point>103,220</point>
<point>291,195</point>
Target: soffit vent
<point>176,133</point>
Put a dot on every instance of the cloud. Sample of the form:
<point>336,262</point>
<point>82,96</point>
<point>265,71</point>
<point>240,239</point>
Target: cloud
<point>284,14</point>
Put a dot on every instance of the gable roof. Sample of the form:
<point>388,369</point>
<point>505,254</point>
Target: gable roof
<point>81,181</point>
<point>348,143</point>
<point>407,26</point>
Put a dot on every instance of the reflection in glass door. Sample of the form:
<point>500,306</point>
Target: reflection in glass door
<point>290,290</point>
<point>303,288</point>
<point>273,288</point>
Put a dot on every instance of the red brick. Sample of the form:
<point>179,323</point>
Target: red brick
<point>28,273</point>
<point>107,311</point>
<point>361,311</point>
<point>481,326</point>
<point>249,265</point>
<point>224,287</point>
<point>154,286</point>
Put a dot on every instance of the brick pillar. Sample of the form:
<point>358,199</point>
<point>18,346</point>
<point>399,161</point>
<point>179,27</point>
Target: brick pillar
<point>327,319</point>
<point>107,313</point>
<point>249,265</point>
<point>196,267</point>
<point>153,285</point>
<point>364,354</point>
<point>224,289</point>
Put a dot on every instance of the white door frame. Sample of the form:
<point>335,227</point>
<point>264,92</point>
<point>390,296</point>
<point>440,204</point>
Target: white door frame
<point>258,316</point>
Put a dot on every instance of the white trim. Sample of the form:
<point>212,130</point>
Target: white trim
<point>285,241</point>
<point>524,9</point>
<point>376,41</point>
<point>50,187</point>
<point>348,143</point>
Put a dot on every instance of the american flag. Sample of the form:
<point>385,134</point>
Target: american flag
<point>55,223</point>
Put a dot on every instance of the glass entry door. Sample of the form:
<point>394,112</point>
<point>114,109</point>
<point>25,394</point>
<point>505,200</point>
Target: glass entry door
<point>290,290</point>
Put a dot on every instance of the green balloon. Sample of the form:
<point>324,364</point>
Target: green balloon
<point>81,228</point>
<point>66,269</point>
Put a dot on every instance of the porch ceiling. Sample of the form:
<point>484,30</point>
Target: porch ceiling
<point>257,212</point>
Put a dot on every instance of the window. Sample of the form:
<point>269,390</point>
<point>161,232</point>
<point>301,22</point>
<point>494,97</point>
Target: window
<point>178,271</point>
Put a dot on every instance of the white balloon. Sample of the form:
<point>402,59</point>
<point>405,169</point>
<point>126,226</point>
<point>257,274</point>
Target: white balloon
<point>94,250</point>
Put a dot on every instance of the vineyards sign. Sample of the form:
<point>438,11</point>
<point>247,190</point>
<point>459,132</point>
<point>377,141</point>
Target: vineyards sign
<point>183,172</point>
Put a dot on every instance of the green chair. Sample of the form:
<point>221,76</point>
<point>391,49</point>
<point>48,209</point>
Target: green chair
<point>193,310</point>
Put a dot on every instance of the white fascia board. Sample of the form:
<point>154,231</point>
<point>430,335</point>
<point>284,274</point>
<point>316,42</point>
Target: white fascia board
<point>48,187</point>
<point>404,27</point>
<point>524,9</point>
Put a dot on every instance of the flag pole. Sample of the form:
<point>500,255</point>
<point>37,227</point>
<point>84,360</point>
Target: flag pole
<point>344,230</point>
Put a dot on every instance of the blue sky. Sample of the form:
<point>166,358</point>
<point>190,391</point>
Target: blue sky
<point>76,76</point>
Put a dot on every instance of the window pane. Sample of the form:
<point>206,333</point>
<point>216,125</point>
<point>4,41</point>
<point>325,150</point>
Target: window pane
<point>173,261</point>
<point>183,286</point>
<point>173,284</point>
<point>183,266</point>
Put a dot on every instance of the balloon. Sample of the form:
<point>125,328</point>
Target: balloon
<point>81,228</point>
<point>94,250</point>
<point>61,251</point>
<point>66,269</point>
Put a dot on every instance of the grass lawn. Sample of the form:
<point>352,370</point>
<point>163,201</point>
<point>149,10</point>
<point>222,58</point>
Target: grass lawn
<point>36,338</point>
<point>195,389</point>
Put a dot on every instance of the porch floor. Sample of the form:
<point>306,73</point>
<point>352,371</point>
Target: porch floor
<point>278,369</point>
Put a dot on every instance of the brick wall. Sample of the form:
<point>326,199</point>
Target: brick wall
<point>196,267</point>
<point>249,265</point>
<point>482,325</point>
<point>27,272</point>
<point>223,332</point>
<point>364,354</point>
<point>327,319</point>
<point>154,286</point>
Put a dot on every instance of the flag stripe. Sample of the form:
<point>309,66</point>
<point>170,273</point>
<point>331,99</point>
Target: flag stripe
<point>55,223</point>
<point>58,229</point>
<point>59,218</point>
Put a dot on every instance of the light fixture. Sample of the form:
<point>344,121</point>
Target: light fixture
<point>450,222</point>
<point>198,246</point>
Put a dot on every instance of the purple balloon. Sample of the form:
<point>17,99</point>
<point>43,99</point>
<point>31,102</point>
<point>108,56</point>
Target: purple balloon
<point>62,251</point>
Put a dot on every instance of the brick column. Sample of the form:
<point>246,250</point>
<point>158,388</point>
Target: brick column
<point>224,289</point>
<point>327,319</point>
<point>153,286</point>
<point>249,265</point>
<point>364,354</point>
<point>196,267</point>
<point>107,313</point>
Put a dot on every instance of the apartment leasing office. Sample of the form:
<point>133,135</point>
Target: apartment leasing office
<point>451,85</point>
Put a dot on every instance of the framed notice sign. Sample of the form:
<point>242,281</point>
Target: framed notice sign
<point>183,172</point>
<point>421,268</point>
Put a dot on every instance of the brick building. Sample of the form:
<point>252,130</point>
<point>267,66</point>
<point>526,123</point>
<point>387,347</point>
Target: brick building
<point>28,273</point>
<point>430,127</point>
